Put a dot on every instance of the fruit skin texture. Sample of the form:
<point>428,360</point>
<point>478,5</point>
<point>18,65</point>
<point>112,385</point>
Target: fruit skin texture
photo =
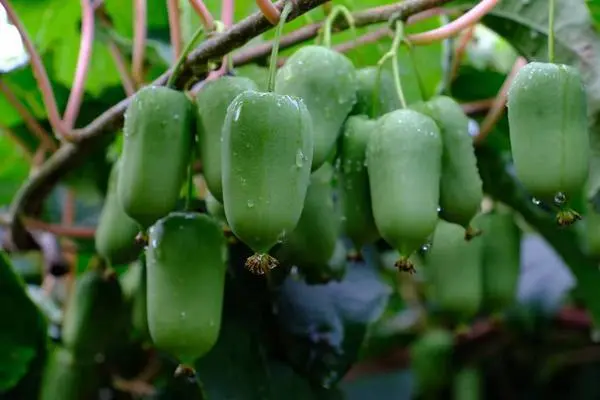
<point>404,157</point>
<point>215,208</point>
<point>547,115</point>
<point>461,188</point>
<point>326,81</point>
<point>355,196</point>
<point>90,321</point>
<point>267,155</point>
<point>453,268</point>
<point>431,359</point>
<point>501,259</point>
<point>312,243</point>
<point>211,105</point>
<point>158,135</point>
<point>116,231</point>
<point>186,264</point>
<point>366,81</point>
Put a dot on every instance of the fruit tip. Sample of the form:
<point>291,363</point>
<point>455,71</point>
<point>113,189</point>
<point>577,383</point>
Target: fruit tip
<point>261,263</point>
<point>567,217</point>
<point>405,265</point>
<point>185,370</point>
<point>471,233</point>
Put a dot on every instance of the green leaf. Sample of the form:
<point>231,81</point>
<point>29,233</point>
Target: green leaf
<point>122,12</point>
<point>14,168</point>
<point>22,328</point>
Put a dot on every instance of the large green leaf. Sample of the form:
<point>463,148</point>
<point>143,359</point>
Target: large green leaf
<point>22,327</point>
<point>13,168</point>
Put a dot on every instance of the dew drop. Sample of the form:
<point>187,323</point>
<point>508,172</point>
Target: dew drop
<point>536,201</point>
<point>250,204</point>
<point>299,158</point>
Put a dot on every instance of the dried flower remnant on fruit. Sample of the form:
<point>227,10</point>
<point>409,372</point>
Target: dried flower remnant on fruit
<point>567,217</point>
<point>405,265</point>
<point>184,370</point>
<point>471,233</point>
<point>260,264</point>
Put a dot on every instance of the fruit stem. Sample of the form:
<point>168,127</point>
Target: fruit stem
<point>392,55</point>
<point>551,12</point>
<point>287,9</point>
<point>328,26</point>
<point>183,56</point>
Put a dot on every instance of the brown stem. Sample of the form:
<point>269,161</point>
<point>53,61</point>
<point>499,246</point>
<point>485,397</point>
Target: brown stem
<point>139,41</point>
<point>206,17</point>
<point>269,11</point>
<point>77,232</point>
<point>461,50</point>
<point>83,63</point>
<point>40,74</point>
<point>174,27</point>
<point>126,80</point>
<point>477,105</point>
<point>30,121</point>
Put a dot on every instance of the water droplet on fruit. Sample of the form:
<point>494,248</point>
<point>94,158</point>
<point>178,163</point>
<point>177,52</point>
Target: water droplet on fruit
<point>560,199</point>
<point>299,158</point>
<point>426,247</point>
<point>536,201</point>
<point>182,315</point>
<point>250,204</point>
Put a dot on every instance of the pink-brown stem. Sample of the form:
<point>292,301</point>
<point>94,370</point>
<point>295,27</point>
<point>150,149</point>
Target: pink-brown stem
<point>269,11</point>
<point>467,19</point>
<point>174,27</point>
<point>30,121</point>
<point>40,74</point>
<point>497,109</point>
<point>83,63</point>
<point>461,49</point>
<point>139,41</point>
<point>120,63</point>
<point>227,8</point>
<point>206,17</point>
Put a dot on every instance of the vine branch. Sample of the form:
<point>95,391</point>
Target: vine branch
<point>39,71</point>
<point>69,155</point>
<point>83,63</point>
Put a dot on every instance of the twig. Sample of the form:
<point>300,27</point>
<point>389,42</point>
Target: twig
<point>38,186</point>
<point>460,50</point>
<point>120,63</point>
<point>497,109</point>
<point>227,19</point>
<point>40,73</point>
<point>478,105</point>
<point>30,121</point>
<point>139,41</point>
<point>469,18</point>
<point>206,17</point>
<point>175,27</point>
<point>83,62</point>
<point>269,11</point>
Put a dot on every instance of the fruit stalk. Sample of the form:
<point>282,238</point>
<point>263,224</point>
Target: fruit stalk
<point>273,62</point>
<point>176,69</point>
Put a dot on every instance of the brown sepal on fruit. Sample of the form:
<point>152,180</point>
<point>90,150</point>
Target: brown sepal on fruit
<point>567,217</point>
<point>141,238</point>
<point>184,370</point>
<point>405,265</point>
<point>471,233</point>
<point>260,264</point>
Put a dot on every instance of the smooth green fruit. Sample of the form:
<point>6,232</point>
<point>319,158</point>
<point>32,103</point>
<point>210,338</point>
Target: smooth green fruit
<point>547,115</point>
<point>267,155</point>
<point>186,264</point>
<point>453,268</point>
<point>431,360</point>
<point>461,189</point>
<point>68,378</point>
<point>116,232</point>
<point>312,243</point>
<point>211,103</point>
<point>158,137</point>
<point>90,320</point>
<point>355,195</point>
<point>501,259</point>
<point>260,75</point>
<point>404,158</point>
<point>326,81</point>
<point>387,96</point>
